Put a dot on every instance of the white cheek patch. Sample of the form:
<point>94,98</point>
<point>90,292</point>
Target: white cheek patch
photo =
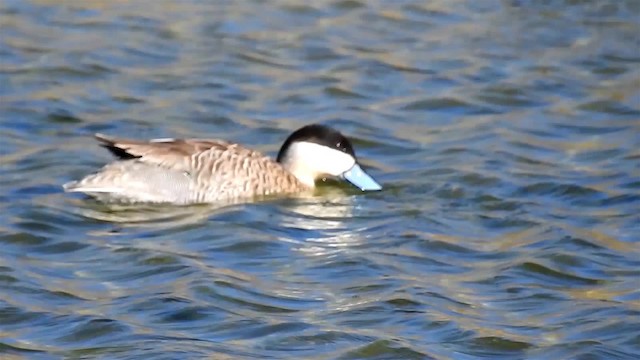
<point>320,159</point>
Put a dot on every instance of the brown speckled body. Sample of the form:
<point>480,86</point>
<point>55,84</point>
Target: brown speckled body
<point>186,171</point>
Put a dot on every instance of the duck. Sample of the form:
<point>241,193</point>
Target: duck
<point>192,171</point>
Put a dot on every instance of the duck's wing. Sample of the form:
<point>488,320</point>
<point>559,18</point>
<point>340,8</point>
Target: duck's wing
<point>178,154</point>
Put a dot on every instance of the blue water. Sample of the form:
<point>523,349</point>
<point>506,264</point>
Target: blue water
<point>506,135</point>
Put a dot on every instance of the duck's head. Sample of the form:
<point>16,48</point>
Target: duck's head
<point>317,151</point>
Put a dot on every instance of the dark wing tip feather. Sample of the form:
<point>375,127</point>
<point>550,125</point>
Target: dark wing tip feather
<point>110,144</point>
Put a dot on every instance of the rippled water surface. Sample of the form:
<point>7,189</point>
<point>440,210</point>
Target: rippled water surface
<point>506,134</point>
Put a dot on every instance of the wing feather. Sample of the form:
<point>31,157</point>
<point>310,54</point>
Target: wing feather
<point>176,154</point>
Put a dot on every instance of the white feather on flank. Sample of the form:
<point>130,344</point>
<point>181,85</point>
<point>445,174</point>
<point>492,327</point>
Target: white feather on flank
<point>75,187</point>
<point>309,161</point>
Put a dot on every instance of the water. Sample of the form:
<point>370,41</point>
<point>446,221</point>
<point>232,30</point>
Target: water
<point>506,134</point>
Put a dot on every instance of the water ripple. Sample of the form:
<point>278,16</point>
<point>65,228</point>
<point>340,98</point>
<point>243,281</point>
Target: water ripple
<point>504,133</point>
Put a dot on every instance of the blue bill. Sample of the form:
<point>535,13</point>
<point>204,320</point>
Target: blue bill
<point>361,179</point>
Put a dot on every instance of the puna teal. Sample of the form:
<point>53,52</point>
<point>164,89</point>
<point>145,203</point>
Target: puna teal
<point>188,171</point>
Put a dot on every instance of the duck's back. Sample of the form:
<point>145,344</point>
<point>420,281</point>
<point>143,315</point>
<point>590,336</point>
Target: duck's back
<point>185,171</point>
